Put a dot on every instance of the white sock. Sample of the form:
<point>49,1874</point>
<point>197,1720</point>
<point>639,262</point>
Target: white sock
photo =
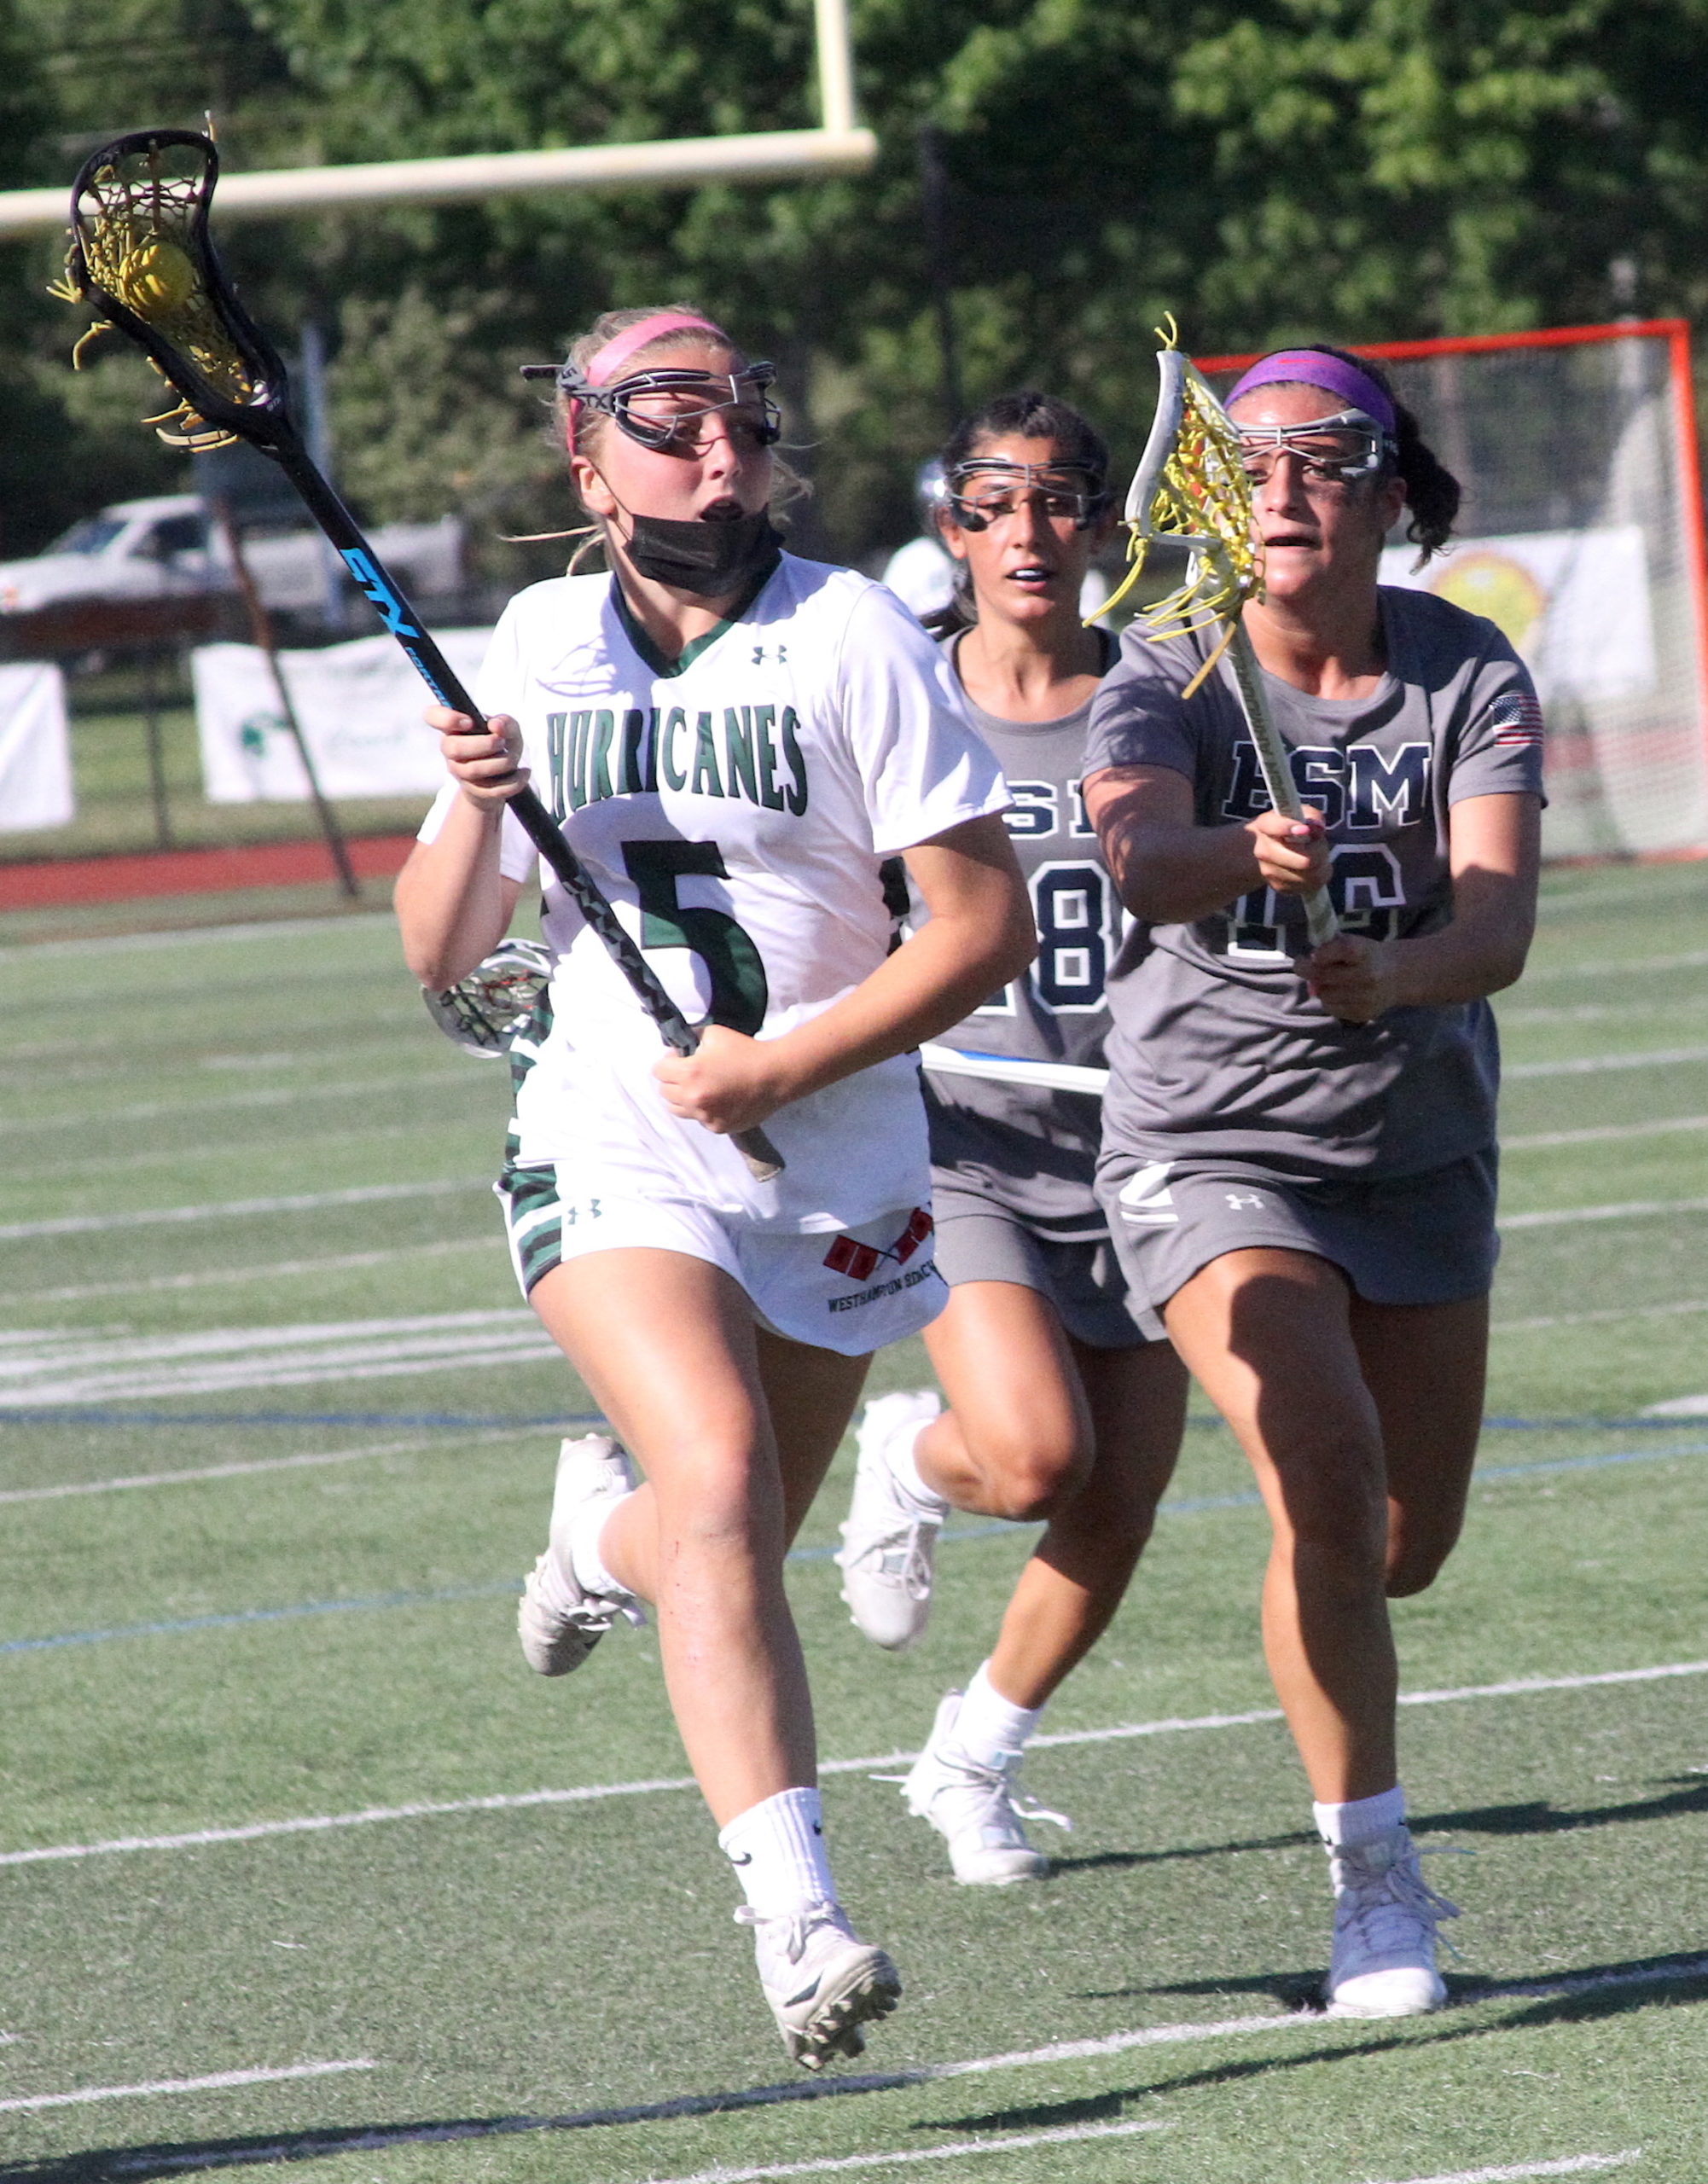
<point>777,1849</point>
<point>1362,1819</point>
<point>585,1533</point>
<point>905,1472</point>
<point>989,1728</point>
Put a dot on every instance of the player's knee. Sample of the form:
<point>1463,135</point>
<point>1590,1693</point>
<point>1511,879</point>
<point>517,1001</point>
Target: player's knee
<point>1334,1501</point>
<point>1031,1481</point>
<point>1415,1562</point>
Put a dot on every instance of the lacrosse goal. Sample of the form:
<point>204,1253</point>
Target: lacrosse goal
<point>1582,535</point>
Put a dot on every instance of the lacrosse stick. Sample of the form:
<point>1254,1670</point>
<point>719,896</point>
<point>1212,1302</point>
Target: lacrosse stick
<point>141,253</point>
<point>1191,489</point>
<point>485,1012</point>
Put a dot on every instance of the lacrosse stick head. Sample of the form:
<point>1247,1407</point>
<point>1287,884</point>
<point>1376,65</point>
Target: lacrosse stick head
<point>1191,488</point>
<point>484,1011</point>
<point>141,255</point>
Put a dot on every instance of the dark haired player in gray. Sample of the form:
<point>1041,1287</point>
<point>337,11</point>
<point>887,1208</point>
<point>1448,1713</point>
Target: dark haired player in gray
<point>1059,1407</point>
<point>1298,1157</point>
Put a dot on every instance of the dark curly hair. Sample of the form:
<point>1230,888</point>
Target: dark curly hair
<point>1028,415</point>
<point>1432,491</point>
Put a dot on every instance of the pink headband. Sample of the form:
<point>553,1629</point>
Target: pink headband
<point>603,365</point>
<point>1312,368</point>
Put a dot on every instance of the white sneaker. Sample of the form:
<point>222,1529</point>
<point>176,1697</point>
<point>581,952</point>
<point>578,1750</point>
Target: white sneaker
<point>822,1981</point>
<point>977,1810</point>
<point>1386,1914</point>
<point>888,1541</point>
<point>558,1622</point>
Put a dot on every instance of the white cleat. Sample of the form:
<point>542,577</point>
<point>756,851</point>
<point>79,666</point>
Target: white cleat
<point>823,1983</point>
<point>558,1622</point>
<point>977,1810</point>
<point>1386,1914</point>
<point>888,1541</point>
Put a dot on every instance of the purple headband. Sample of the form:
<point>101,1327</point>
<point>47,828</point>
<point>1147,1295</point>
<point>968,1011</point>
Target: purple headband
<point>1312,368</point>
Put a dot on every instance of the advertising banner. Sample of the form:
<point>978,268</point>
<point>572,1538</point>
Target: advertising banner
<point>34,748</point>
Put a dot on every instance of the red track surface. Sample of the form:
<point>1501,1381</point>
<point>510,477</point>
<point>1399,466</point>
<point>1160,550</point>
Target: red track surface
<point>193,872</point>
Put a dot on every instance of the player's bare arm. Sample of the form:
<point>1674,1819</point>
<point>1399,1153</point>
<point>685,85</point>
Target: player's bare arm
<point>979,934</point>
<point>454,905</point>
<point>1494,846</point>
<point>1169,869</point>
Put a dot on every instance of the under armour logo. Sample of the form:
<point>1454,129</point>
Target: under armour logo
<point>1238,1198</point>
<point>778,653</point>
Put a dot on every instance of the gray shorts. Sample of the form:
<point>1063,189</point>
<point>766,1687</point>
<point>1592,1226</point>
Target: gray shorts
<point>979,1239</point>
<point>1407,1239</point>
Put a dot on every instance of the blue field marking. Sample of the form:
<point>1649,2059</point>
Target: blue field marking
<point>1197,1505</point>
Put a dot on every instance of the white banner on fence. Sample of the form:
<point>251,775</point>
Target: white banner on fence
<point>360,707</point>
<point>1575,603</point>
<point>34,748</point>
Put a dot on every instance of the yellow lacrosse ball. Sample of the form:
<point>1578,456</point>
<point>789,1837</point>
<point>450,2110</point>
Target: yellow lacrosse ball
<point>156,276</point>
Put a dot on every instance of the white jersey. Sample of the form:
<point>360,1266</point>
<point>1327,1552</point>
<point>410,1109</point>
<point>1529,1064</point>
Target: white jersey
<point>736,806</point>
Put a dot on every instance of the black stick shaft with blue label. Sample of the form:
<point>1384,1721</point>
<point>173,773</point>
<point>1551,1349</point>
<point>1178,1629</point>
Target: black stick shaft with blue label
<point>141,252</point>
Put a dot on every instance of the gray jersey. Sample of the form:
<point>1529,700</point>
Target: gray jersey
<point>1035,1151</point>
<point>1218,1051</point>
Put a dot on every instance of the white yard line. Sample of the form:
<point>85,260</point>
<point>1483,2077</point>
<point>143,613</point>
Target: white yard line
<point>1593,1319</point>
<point>126,944</point>
<point>591,1793</point>
<point>1573,2165</point>
<point>1631,967</point>
<point>266,1096</point>
<point>230,1209</point>
<point>1591,1065</point>
<point>1607,1134</point>
<point>957,2152</point>
<point>1635,1209</point>
<point>306,1462</point>
<point>216,2083</point>
<point>221,1277</point>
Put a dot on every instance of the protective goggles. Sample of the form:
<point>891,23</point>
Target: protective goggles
<point>1336,451</point>
<point>670,409</point>
<point>985,490</point>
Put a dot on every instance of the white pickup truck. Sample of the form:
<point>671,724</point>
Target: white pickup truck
<point>165,546</point>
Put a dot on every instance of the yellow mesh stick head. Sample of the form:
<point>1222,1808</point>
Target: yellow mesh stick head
<point>1191,488</point>
<point>140,253</point>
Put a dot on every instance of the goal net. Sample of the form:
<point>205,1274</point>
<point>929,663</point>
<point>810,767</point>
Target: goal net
<point>1581,534</point>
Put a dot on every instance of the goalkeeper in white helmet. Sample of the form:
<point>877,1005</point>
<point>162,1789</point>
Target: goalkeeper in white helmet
<point>741,746</point>
<point>1059,1408</point>
<point>1299,1158</point>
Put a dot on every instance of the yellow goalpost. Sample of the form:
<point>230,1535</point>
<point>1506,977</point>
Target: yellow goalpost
<point>837,146</point>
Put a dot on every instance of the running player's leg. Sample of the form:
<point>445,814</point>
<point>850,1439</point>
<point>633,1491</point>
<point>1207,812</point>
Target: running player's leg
<point>1268,1334</point>
<point>1025,1400</point>
<point>1425,1365</point>
<point>1078,1573</point>
<point>668,1345</point>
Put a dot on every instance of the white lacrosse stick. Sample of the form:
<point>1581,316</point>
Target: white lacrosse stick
<point>1191,489</point>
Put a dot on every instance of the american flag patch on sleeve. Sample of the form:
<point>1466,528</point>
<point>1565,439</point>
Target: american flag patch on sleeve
<point>1516,719</point>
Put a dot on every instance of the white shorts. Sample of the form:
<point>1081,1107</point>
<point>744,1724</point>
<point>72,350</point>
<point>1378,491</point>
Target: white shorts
<point>851,1292</point>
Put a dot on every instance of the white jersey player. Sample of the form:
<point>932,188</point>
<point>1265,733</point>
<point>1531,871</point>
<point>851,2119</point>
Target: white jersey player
<point>1299,1158</point>
<point>738,744</point>
<point>1059,1407</point>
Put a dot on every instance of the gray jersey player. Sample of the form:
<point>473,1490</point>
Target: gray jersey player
<point>1299,1158</point>
<point>1058,1407</point>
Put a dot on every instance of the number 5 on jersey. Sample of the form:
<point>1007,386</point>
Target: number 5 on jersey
<point>740,992</point>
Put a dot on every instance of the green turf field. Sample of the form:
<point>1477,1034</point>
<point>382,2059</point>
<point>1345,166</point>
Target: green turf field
<point>276,1886</point>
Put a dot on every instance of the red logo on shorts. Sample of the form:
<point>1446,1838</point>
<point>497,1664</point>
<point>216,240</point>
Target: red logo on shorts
<point>859,1262</point>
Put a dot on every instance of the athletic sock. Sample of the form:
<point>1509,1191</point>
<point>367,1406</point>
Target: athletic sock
<point>905,1472</point>
<point>586,1530</point>
<point>989,1728</point>
<point>777,1849</point>
<point>1360,1821</point>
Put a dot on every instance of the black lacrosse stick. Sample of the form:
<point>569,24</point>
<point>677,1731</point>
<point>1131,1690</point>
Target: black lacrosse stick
<point>141,252</point>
